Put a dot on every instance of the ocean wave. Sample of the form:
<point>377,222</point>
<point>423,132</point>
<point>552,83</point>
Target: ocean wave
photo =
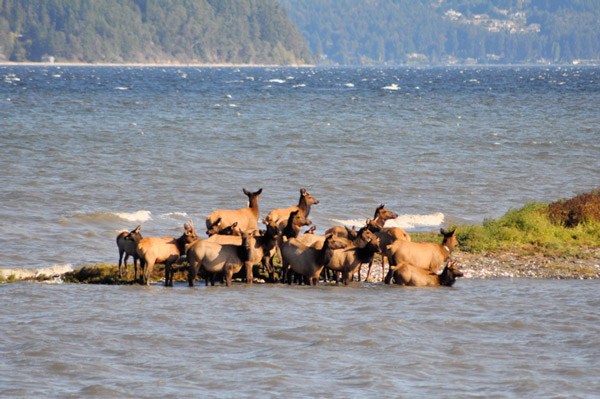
<point>406,222</point>
<point>393,86</point>
<point>137,216</point>
<point>174,215</point>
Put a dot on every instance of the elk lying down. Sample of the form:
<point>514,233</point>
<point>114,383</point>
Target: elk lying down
<point>306,260</point>
<point>425,255</point>
<point>246,218</point>
<point>126,242</point>
<point>279,217</point>
<point>407,274</point>
<point>167,250</point>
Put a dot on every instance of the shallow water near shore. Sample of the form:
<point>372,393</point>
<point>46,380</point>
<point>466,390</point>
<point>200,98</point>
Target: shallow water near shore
<point>482,338</point>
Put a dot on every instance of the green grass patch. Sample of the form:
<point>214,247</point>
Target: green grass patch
<point>533,229</point>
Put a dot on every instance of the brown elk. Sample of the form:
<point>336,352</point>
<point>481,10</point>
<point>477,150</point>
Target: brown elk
<point>246,218</point>
<point>167,250</point>
<point>386,235</point>
<point>347,260</point>
<point>306,260</point>
<point>279,217</point>
<point>261,249</point>
<point>126,242</point>
<point>407,274</point>
<point>216,258</point>
<point>425,255</point>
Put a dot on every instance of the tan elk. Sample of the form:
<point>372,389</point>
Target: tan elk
<point>279,217</point>
<point>425,255</point>
<point>166,250</point>
<point>407,274</point>
<point>306,260</point>
<point>216,258</point>
<point>386,235</point>
<point>261,248</point>
<point>347,260</point>
<point>126,242</point>
<point>246,218</point>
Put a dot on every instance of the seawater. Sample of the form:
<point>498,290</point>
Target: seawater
<point>480,339</point>
<point>88,151</point>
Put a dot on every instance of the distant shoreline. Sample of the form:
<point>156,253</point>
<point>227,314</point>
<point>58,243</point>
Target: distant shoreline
<point>150,65</point>
<point>224,65</point>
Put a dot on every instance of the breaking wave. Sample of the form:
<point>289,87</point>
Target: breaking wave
<point>406,222</point>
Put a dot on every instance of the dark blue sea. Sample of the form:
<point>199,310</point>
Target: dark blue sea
<point>86,152</point>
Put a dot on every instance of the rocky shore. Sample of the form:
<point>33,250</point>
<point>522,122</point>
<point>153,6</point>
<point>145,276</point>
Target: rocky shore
<point>478,266</point>
<point>512,265</point>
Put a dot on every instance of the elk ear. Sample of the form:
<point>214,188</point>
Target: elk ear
<point>443,231</point>
<point>259,192</point>
<point>245,191</point>
<point>137,229</point>
<point>234,224</point>
<point>303,191</point>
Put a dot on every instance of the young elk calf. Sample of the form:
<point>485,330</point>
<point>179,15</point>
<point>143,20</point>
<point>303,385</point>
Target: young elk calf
<point>425,255</point>
<point>167,250</point>
<point>246,218</point>
<point>406,274</point>
<point>279,217</point>
<point>126,242</point>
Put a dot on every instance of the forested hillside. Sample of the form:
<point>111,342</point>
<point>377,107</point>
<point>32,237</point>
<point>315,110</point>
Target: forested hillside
<point>449,31</point>
<point>203,31</point>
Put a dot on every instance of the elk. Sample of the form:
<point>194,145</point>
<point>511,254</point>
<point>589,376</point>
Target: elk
<point>246,218</point>
<point>386,235</point>
<point>279,217</point>
<point>126,242</point>
<point>347,260</point>
<point>425,255</point>
<point>343,231</point>
<point>167,250</point>
<point>261,249</point>
<point>216,258</point>
<point>306,260</point>
<point>407,274</point>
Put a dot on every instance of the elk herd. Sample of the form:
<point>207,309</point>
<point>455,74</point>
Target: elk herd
<point>235,243</point>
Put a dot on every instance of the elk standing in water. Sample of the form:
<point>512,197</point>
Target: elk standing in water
<point>127,242</point>
<point>167,250</point>
<point>279,217</point>
<point>246,218</point>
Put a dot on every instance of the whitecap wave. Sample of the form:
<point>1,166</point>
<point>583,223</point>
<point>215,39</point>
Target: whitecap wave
<point>276,81</point>
<point>138,216</point>
<point>121,88</point>
<point>393,86</point>
<point>174,215</point>
<point>406,222</point>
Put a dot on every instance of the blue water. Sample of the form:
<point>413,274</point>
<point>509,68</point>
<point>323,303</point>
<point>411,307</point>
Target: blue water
<point>88,151</point>
<point>480,339</point>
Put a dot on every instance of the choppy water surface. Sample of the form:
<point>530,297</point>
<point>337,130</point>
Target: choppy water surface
<point>482,338</point>
<point>88,151</point>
